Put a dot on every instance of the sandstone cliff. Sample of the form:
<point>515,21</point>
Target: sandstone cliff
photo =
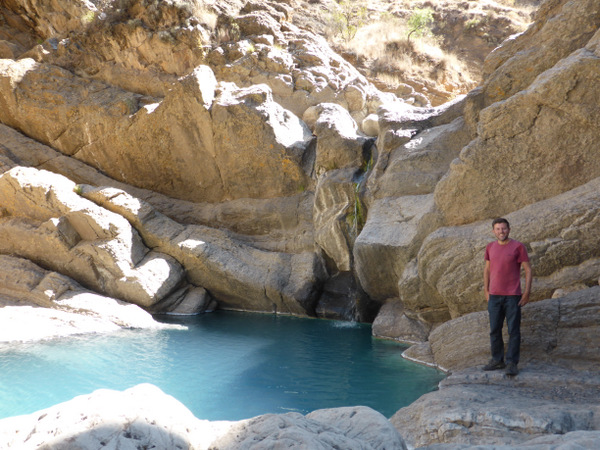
<point>144,160</point>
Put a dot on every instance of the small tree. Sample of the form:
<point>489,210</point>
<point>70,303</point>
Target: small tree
<point>348,18</point>
<point>420,21</point>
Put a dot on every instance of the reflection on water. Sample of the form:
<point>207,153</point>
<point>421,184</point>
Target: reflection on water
<point>225,366</point>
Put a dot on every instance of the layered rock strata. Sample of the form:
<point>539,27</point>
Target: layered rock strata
<point>40,304</point>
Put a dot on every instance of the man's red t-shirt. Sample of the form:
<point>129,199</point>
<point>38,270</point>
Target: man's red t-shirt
<point>505,266</point>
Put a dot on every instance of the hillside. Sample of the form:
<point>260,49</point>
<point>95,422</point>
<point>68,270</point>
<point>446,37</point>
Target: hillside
<point>441,64</point>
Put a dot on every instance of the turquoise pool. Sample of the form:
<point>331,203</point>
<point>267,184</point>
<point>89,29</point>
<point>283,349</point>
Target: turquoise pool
<point>224,366</point>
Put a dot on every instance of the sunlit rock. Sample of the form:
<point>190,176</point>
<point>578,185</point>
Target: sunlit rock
<point>39,304</point>
<point>238,275</point>
<point>145,416</point>
<point>47,221</point>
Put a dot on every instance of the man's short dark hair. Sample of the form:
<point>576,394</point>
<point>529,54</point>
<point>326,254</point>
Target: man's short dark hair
<point>500,220</point>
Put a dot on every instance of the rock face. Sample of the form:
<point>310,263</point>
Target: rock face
<point>541,408</point>
<point>451,258</point>
<point>536,125</point>
<point>241,277</point>
<point>259,141</point>
<point>46,221</point>
<point>133,97</point>
<point>197,155</point>
<point>144,416</point>
<point>556,392</point>
<point>522,149</point>
<point>104,249</point>
<point>40,304</point>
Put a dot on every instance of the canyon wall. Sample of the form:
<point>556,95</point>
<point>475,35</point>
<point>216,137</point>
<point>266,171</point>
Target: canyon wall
<point>149,157</point>
<point>267,173</point>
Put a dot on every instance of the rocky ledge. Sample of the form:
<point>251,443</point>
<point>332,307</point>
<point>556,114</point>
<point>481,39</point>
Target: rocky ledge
<point>553,401</point>
<point>545,406</point>
<point>145,417</point>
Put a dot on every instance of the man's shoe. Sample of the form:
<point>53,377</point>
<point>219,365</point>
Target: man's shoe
<point>511,369</point>
<point>494,365</point>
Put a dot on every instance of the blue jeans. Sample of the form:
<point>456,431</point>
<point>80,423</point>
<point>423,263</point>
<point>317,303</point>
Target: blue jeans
<point>499,308</point>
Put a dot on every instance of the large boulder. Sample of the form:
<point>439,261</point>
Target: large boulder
<point>259,147</point>
<point>393,323</point>
<point>415,168</point>
<point>144,416</point>
<point>200,147</point>
<point>238,275</point>
<point>135,418</point>
<point>391,237</point>
<point>351,427</point>
<point>339,144</point>
<point>536,144</point>
<point>45,220</point>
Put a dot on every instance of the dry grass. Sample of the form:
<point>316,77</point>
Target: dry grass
<point>393,60</point>
<point>204,14</point>
<point>449,63</point>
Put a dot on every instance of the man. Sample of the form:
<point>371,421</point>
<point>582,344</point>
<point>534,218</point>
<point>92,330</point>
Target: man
<point>502,284</point>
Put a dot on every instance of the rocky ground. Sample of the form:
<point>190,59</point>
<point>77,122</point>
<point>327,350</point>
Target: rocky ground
<point>552,401</point>
<point>178,156</point>
<point>545,406</point>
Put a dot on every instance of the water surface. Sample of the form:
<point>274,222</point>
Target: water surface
<point>225,366</point>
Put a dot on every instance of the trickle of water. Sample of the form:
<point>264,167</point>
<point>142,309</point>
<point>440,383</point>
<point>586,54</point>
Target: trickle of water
<point>224,366</point>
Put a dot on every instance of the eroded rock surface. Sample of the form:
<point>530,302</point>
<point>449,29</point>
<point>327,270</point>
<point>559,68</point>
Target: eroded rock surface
<point>41,304</point>
<point>240,276</point>
<point>556,392</point>
<point>541,407</point>
<point>45,220</point>
<point>145,416</point>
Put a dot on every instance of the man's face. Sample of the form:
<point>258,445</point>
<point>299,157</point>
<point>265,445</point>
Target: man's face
<point>501,231</point>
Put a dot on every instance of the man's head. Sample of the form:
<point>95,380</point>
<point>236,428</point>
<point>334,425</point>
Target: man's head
<point>501,229</point>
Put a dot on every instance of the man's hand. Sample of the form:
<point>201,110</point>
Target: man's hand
<point>528,278</point>
<point>486,281</point>
<point>524,299</point>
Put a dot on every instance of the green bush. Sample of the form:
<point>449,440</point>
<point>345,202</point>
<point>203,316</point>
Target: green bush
<point>420,22</point>
<point>348,18</point>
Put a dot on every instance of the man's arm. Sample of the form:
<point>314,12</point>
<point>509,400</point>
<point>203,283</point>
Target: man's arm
<point>486,281</point>
<point>528,277</point>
